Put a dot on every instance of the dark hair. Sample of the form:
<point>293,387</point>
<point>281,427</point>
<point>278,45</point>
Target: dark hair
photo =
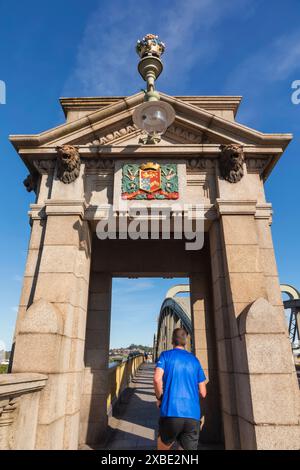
<point>179,337</point>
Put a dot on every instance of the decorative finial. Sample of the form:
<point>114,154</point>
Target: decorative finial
<point>150,45</point>
<point>153,116</point>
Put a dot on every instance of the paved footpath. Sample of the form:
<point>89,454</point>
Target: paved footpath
<point>135,418</point>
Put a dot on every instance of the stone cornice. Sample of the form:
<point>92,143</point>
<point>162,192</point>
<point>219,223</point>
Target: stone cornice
<point>65,207</point>
<point>102,212</point>
<point>212,103</point>
<point>90,212</point>
<point>236,207</point>
<point>244,207</point>
<point>206,102</point>
<point>264,211</point>
<point>184,149</point>
<point>57,207</point>
<point>21,382</point>
<point>37,212</point>
<point>88,103</point>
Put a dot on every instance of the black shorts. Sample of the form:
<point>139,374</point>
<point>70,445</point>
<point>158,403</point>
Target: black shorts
<point>183,430</point>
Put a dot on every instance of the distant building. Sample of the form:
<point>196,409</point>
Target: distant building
<point>2,356</point>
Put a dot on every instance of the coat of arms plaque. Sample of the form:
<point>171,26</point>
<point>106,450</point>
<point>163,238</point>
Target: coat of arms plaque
<point>150,181</point>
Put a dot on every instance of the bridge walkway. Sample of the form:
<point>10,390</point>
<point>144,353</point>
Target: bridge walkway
<point>135,418</point>
<point>134,423</point>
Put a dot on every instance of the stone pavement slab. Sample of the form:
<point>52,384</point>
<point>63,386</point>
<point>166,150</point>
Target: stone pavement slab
<point>134,422</point>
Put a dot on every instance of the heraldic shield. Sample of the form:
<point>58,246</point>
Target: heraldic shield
<point>150,177</point>
<point>150,181</point>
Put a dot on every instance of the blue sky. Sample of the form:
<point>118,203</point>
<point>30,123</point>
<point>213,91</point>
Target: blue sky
<point>135,309</point>
<point>76,48</point>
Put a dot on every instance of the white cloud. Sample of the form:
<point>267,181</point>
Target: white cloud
<point>125,286</point>
<point>278,60</point>
<point>257,77</point>
<point>106,61</point>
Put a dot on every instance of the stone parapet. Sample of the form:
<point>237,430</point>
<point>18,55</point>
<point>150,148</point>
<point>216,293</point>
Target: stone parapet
<point>119,378</point>
<point>19,401</point>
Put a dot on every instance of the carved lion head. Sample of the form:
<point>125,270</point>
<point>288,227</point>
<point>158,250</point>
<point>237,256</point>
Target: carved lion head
<point>68,163</point>
<point>231,162</point>
<point>30,183</point>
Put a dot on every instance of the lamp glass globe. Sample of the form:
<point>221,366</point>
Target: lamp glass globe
<point>154,117</point>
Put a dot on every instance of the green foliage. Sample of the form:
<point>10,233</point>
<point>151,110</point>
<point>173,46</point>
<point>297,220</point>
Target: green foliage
<point>139,346</point>
<point>3,368</point>
<point>130,181</point>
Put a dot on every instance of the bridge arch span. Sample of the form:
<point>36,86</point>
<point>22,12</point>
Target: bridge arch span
<point>175,312</point>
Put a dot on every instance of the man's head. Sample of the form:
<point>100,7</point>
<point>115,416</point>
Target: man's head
<point>179,337</point>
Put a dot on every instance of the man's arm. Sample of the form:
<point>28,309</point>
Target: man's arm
<point>202,389</point>
<point>158,383</point>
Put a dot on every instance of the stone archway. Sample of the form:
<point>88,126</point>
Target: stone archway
<point>77,172</point>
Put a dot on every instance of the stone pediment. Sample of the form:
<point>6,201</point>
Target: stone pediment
<point>110,130</point>
<point>130,135</point>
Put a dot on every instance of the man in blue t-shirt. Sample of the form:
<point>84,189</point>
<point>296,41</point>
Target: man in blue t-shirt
<point>178,381</point>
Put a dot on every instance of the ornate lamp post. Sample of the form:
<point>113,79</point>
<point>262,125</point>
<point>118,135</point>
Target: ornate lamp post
<point>153,116</point>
